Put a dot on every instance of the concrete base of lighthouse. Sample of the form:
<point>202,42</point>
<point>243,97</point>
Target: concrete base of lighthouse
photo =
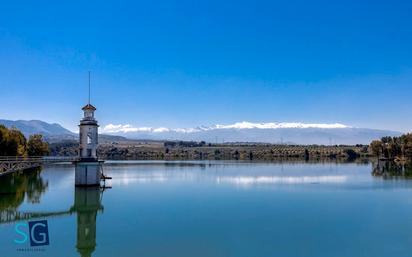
<point>88,173</point>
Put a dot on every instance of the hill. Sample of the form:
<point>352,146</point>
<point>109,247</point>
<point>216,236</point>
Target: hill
<point>52,132</point>
<point>30,127</point>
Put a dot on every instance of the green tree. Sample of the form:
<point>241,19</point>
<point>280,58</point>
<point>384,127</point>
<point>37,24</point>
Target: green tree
<point>17,143</point>
<point>12,142</point>
<point>4,133</point>
<point>36,146</point>
<point>407,145</point>
<point>376,148</point>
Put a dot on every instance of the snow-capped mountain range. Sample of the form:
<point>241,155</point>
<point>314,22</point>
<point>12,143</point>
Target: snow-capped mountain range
<point>238,125</point>
<point>271,132</point>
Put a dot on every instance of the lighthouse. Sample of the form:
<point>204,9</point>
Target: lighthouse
<point>88,133</point>
<point>88,166</point>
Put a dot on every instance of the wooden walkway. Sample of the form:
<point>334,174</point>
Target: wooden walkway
<point>10,164</point>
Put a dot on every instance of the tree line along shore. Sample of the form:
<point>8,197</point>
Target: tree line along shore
<point>389,148</point>
<point>14,143</point>
<point>184,150</point>
<point>393,148</point>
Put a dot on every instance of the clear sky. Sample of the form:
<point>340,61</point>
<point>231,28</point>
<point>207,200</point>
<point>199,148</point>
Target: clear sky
<point>189,63</point>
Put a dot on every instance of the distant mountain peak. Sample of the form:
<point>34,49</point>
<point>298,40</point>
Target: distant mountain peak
<point>30,127</point>
<point>53,132</point>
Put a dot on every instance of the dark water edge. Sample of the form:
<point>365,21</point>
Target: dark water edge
<point>392,170</point>
<point>18,186</point>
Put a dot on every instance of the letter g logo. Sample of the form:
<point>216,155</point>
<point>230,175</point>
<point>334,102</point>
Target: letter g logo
<point>39,233</point>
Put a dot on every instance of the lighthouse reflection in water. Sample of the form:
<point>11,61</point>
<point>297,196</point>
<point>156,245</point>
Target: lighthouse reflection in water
<point>87,204</point>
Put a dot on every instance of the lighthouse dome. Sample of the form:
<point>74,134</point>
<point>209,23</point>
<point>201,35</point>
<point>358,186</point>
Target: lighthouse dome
<point>89,107</point>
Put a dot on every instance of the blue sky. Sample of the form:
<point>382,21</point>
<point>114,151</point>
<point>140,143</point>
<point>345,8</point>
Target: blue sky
<point>189,63</point>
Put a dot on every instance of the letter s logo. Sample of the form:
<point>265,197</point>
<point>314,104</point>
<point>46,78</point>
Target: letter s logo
<point>18,231</point>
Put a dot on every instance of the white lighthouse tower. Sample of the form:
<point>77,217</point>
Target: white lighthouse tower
<point>88,167</point>
<point>88,134</point>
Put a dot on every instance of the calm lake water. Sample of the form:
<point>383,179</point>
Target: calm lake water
<point>212,209</point>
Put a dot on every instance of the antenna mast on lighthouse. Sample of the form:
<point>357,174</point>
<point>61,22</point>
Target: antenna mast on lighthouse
<point>88,170</point>
<point>89,87</point>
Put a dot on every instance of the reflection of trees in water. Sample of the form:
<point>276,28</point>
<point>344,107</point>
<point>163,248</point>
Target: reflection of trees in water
<point>14,188</point>
<point>390,169</point>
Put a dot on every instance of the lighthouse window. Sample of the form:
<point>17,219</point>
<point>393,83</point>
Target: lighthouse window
<point>89,139</point>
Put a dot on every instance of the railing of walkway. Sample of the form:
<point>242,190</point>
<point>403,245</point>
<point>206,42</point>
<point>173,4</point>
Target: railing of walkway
<point>38,158</point>
<point>9,164</point>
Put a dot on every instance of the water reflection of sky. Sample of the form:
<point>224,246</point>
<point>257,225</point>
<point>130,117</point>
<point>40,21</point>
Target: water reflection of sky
<point>228,209</point>
<point>250,180</point>
<point>237,173</point>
